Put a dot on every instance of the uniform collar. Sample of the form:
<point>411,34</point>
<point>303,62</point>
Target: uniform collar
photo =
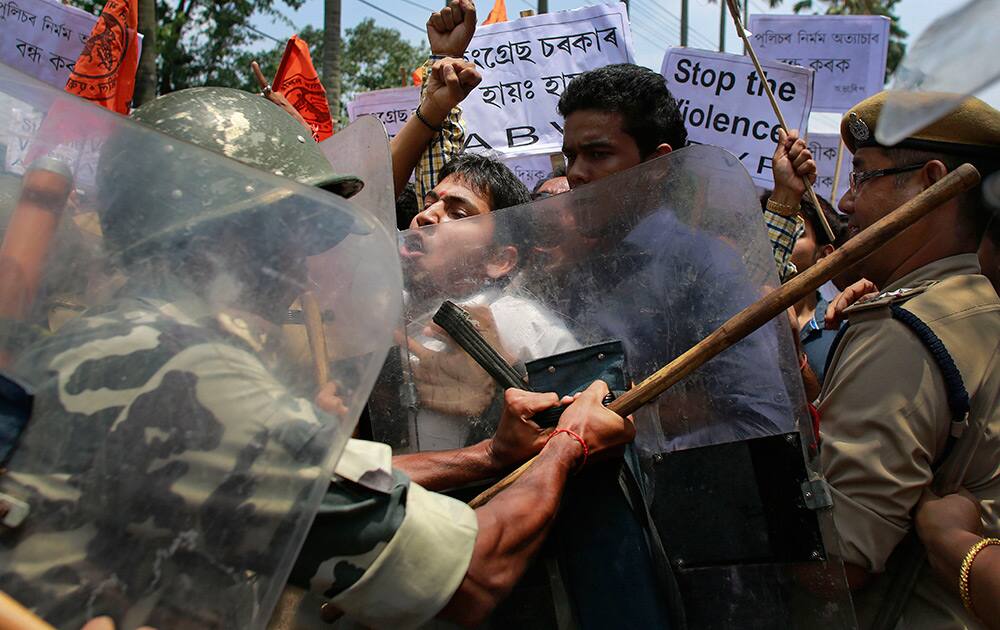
<point>962,264</point>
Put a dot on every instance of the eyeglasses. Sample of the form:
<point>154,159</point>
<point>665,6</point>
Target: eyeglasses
<point>857,178</point>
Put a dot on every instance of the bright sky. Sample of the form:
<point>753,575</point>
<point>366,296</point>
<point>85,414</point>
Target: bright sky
<point>655,23</point>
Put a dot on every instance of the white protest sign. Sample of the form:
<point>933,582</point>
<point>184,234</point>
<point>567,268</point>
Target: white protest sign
<point>393,106</point>
<point>824,149</point>
<point>43,38</point>
<point>724,104</point>
<point>82,156</point>
<point>530,169</point>
<point>526,65</point>
<point>847,52</point>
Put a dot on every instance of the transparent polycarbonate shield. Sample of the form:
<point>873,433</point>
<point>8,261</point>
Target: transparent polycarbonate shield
<point>362,149</point>
<point>176,448</point>
<point>956,55</point>
<point>658,257</point>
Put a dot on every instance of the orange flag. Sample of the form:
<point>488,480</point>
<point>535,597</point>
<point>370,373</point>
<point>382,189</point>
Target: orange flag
<point>105,72</point>
<point>298,80</point>
<point>498,14</point>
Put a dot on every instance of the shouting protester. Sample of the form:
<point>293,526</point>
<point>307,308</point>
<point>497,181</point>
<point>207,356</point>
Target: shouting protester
<point>464,253</point>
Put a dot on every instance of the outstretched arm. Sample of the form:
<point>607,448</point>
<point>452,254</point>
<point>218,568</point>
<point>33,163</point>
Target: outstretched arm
<point>513,525</point>
<point>517,439</point>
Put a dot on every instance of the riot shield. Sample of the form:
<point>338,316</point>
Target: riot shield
<point>656,257</point>
<point>362,149</point>
<point>163,456</point>
<point>952,56</point>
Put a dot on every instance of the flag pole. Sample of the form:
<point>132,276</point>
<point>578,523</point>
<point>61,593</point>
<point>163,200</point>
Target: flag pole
<point>836,173</point>
<point>735,10</point>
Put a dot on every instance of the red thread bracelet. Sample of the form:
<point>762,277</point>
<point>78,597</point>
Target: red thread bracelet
<point>576,436</point>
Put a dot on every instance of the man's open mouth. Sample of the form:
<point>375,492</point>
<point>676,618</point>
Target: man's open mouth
<point>412,245</point>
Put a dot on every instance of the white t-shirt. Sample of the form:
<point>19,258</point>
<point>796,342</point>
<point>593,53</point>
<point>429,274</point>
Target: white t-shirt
<point>527,330</point>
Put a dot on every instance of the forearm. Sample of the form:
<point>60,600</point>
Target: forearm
<point>782,232</point>
<point>409,145</point>
<point>946,550</point>
<point>444,470</point>
<point>512,528</point>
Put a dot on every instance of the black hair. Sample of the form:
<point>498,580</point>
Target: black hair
<point>489,177</point>
<point>650,114</point>
<point>407,206</point>
<point>837,221</point>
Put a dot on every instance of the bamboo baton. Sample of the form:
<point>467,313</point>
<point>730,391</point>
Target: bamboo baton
<point>317,337</point>
<point>14,616</point>
<point>776,302</point>
<point>735,11</point>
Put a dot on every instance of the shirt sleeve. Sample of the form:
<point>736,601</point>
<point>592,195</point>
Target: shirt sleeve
<point>881,417</point>
<point>387,558</point>
<point>444,146</point>
<point>783,231</point>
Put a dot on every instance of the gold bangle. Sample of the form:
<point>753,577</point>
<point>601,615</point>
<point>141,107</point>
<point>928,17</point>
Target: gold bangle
<point>964,573</point>
<point>783,209</point>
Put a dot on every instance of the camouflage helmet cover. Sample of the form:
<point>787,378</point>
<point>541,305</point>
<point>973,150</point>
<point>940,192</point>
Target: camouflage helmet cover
<point>247,128</point>
<point>156,193</point>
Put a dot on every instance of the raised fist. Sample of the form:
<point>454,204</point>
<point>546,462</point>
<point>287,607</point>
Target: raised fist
<point>449,82</point>
<point>450,30</point>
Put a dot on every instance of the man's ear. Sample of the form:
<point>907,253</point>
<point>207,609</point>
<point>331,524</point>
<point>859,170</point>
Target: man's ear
<point>824,251</point>
<point>933,171</point>
<point>502,262</point>
<point>661,150</point>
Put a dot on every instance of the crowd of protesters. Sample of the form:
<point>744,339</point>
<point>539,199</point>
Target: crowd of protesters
<point>898,354</point>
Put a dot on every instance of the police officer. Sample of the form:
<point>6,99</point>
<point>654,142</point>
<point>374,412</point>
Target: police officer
<point>174,381</point>
<point>902,372</point>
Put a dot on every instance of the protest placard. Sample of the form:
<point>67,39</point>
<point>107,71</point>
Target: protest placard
<point>824,149</point>
<point>847,52</point>
<point>723,103</point>
<point>526,65</point>
<point>393,106</point>
<point>43,38</point>
<point>81,156</point>
<point>530,169</point>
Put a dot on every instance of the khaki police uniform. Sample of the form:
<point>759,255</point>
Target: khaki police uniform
<point>885,420</point>
<point>884,405</point>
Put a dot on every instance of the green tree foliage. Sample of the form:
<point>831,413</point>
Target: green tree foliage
<point>371,58</point>
<point>897,36</point>
<point>202,42</point>
<point>270,58</point>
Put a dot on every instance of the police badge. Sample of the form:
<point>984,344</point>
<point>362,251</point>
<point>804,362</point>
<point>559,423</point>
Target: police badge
<point>858,128</point>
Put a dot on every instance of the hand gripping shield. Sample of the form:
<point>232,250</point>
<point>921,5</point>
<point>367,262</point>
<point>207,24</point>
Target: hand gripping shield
<point>657,257</point>
<point>163,452</point>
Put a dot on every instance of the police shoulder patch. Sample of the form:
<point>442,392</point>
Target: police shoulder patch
<point>886,298</point>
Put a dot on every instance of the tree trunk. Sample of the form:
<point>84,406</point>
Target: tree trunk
<point>145,83</point>
<point>331,55</point>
